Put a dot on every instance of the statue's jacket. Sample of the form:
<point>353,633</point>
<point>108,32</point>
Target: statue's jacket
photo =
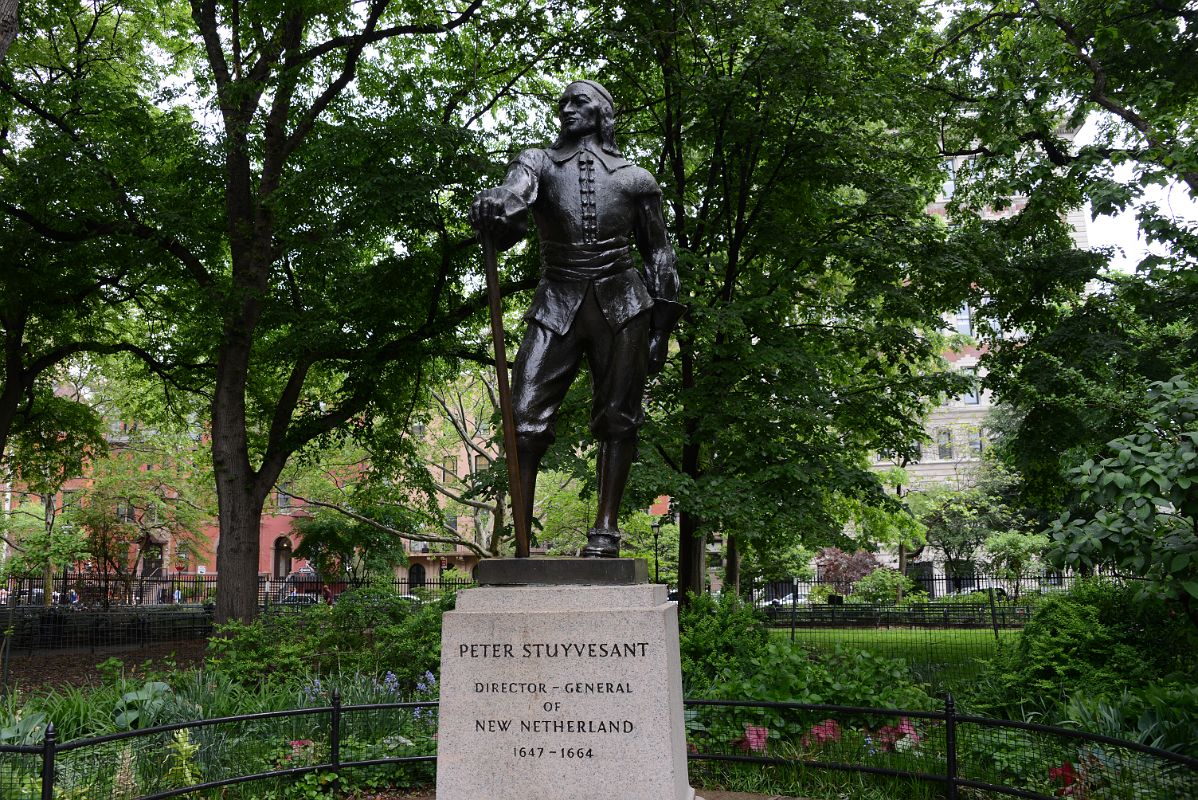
<point>586,202</point>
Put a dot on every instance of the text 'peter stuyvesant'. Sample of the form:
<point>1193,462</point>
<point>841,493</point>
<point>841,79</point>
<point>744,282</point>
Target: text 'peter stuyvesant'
<point>554,650</point>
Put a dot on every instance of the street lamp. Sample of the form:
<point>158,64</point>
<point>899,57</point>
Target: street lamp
<point>656,526</point>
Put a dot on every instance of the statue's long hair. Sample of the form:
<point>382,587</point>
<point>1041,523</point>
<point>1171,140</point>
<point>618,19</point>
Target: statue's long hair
<point>607,130</point>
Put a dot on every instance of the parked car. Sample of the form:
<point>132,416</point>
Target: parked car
<point>300,600</point>
<point>786,601</point>
<point>980,593</point>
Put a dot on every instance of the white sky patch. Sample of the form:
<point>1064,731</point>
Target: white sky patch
<point>1122,231</point>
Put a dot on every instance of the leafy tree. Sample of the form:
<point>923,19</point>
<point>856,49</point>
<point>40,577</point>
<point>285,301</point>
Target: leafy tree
<point>339,546</point>
<point>1071,362</point>
<point>958,522</point>
<point>1012,553</point>
<point>843,569</point>
<point>1021,75</point>
<point>38,542</point>
<point>795,161</point>
<point>1139,504</point>
<point>303,204</point>
<point>144,491</point>
<point>761,562</point>
<point>69,278</point>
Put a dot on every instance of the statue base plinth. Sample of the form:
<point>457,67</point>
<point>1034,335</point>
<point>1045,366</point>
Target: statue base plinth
<point>562,572</point>
<point>562,693</point>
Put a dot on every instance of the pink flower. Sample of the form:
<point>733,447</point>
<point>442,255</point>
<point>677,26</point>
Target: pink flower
<point>889,736</point>
<point>754,740</point>
<point>821,733</point>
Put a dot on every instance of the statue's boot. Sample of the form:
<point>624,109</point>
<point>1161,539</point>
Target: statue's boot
<point>614,462</point>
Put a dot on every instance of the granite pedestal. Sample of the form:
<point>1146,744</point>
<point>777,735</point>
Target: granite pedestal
<point>561,692</point>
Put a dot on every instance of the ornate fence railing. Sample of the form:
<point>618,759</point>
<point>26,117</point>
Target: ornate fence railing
<point>946,748</point>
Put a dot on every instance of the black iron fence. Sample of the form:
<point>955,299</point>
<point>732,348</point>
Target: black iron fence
<point>945,631</point>
<point>29,628</point>
<point>945,589</point>
<point>951,750</point>
<point>99,591</point>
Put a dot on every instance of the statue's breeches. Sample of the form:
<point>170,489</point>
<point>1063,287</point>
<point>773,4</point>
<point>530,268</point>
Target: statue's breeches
<point>547,363</point>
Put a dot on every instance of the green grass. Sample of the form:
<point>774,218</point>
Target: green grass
<point>943,659</point>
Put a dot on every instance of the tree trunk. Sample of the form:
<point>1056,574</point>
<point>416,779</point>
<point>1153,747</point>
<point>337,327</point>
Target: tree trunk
<point>731,566</point>
<point>8,25</point>
<point>48,575</point>
<point>240,491</point>
<point>240,518</point>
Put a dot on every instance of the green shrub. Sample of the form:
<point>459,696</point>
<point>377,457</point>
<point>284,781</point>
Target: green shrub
<point>717,637</point>
<point>276,644</point>
<point>1097,639</point>
<point>820,593</point>
<point>372,630</point>
<point>790,673</point>
<point>881,587</point>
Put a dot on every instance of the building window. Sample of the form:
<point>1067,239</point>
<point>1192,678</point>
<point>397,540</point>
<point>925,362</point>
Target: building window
<point>944,444</point>
<point>449,468</point>
<point>973,396</point>
<point>125,511</point>
<point>977,442</point>
<point>282,498</point>
<point>950,178</point>
<point>963,320</point>
<point>418,430</point>
<point>451,521</point>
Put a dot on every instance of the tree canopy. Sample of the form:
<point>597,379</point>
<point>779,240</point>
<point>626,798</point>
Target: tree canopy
<point>264,206</point>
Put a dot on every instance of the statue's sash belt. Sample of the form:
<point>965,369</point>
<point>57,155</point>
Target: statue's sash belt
<point>585,262</point>
<point>569,271</point>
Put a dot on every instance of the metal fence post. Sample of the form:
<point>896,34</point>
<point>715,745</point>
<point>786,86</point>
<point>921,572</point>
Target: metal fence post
<point>794,611</point>
<point>993,613</point>
<point>335,738</point>
<point>950,745</point>
<point>48,750</point>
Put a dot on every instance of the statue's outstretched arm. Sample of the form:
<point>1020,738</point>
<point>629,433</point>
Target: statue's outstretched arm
<point>502,212</point>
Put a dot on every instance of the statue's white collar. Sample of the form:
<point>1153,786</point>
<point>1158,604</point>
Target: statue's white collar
<point>610,162</point>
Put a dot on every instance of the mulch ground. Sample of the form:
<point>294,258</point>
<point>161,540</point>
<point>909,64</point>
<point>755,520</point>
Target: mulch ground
<point>46,669</point>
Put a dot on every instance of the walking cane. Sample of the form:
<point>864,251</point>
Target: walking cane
<point>505,397</point>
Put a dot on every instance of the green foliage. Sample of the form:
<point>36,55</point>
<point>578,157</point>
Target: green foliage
<point>761,562</point>
<point>883,587</point>
<point>1165,717</point>
<point>1141,501</point>
<point>789,673</point>
<point>1096,639</point>
<point>272,647</point>
<point>339,546</point>
<point>141,708</point>
<point>370,630</point>
<point>36,546</point>
<point>959,521</point>
<point>717,637</point>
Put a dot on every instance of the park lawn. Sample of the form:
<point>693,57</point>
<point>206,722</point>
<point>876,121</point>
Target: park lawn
<point>945,659</point>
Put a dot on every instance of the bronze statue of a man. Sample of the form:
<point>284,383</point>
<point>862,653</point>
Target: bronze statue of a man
<point>592,300</point>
